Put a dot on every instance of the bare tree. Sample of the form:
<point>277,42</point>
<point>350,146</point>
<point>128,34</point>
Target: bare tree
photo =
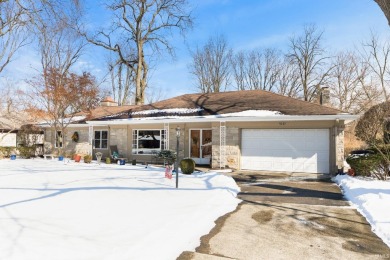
<point>140,29</point>
<point>346,79</point>
<point>155,94</point>
<point>13,35</point>
<point>211,65</point>
<point>239,65</point>
<point>307,54</point>
<point>385,6</point>
<point>288,80</point>
<point>122,81</point>
<point>264,67</point>
<point>11,107</point>
<point>59,45</point>
<point>377,56</point>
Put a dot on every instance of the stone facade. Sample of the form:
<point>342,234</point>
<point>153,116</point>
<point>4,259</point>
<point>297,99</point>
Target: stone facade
<point>232,148</point>
<point>122,137</point>
<point>118,137</point>
<point>70,147</point>
<point>339,146</point>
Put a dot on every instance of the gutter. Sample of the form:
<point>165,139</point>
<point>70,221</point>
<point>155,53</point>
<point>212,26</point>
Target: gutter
<point>153,120</point>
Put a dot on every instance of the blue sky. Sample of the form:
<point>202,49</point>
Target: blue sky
<point>246,25</point>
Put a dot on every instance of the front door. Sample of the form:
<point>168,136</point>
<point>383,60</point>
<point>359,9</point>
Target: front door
<point>200,145</point>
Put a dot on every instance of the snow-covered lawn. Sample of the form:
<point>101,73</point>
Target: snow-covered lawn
<point>372,200</point>
<point>52,210</point>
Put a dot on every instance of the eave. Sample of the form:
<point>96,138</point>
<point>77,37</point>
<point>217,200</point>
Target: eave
<point>284,118</point>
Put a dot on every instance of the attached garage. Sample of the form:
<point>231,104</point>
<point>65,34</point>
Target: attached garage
<point>286,150</point>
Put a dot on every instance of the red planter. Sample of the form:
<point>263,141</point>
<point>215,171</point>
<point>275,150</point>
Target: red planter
<point>77,158</point>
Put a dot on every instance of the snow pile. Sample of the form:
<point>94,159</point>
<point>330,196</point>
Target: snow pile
<point>372,200</point>
<point>56,210</point>
<point>168,111</point>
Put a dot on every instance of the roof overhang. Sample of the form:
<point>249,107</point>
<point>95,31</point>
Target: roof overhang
<point>284,118</point>
<point>68,126</point>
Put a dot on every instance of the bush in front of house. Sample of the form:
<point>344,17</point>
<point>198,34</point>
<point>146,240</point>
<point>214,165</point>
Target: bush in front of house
<point>88,158</point>
<point>372,163</point>
<point>26,152</point>
<point>6,151</point>
<point>167,155</point>
<point>187,166</point>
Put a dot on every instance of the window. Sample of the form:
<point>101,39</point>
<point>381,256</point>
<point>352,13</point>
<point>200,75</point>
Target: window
<point>148,141</point>
<point>101,139</point>
<point>58,140</point>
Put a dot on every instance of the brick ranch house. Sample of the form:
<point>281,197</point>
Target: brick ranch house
<point>253,130</point>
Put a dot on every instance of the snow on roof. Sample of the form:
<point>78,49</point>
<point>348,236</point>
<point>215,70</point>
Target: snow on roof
<point>67,120</point>
<point>253,113</point>
<point>248,113</point>
<point>168,111</point>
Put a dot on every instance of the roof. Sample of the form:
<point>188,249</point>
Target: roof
<point>7,124</point>
<point>226,103</point>
<point>108,99</point>
<point>15,120</point>
<point>104,111</point>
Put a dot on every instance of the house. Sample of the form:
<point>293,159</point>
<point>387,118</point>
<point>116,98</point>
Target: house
<point>249,130</point>
<point>8,132</point>
<point>13,133</point>
<point>85,135</point>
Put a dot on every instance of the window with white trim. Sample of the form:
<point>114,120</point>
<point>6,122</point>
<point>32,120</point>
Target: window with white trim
<point>148,141</point>
<point>101,139</point>
<point>58,140</point>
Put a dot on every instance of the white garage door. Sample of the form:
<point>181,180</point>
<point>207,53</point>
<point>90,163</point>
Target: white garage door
<point>287,150</point>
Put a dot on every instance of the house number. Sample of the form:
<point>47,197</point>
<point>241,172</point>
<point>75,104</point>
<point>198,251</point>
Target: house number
<point>282,123</point>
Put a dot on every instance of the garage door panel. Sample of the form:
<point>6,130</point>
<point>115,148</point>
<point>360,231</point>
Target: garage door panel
<point>292,150</point>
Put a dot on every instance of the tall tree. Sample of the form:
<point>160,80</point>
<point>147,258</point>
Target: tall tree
<point>239,63</point>
<point>60,95</point>
<point>59,45</point>
<point>257,69</point>
<point>377,56</point>
<point>122,82</point>
<point>13,35</point>
<point>139,30</point>
<point>307,53</point>
<point>288,79</point>
<point>385,6</point>
<point>349,85</point>
<point>211,65</point>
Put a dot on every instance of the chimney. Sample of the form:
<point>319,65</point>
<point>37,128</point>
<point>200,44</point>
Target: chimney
<point>325,96</point>
<point>108,102</point>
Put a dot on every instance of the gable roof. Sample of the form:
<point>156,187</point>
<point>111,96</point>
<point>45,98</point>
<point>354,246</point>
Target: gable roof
<point>226,103</point>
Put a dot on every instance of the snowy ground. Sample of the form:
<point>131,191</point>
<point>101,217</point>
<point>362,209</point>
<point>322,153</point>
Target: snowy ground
<point>372,200</point>
<point>52,210</point>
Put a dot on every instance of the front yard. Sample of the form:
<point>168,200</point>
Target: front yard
<point>56,210</point>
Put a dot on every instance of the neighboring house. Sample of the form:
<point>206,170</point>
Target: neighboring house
<point>14,134</point>
<point>8,132</point>
<point>249,130</point>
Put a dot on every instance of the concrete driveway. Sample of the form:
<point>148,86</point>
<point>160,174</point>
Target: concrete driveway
<point>286,216</point>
